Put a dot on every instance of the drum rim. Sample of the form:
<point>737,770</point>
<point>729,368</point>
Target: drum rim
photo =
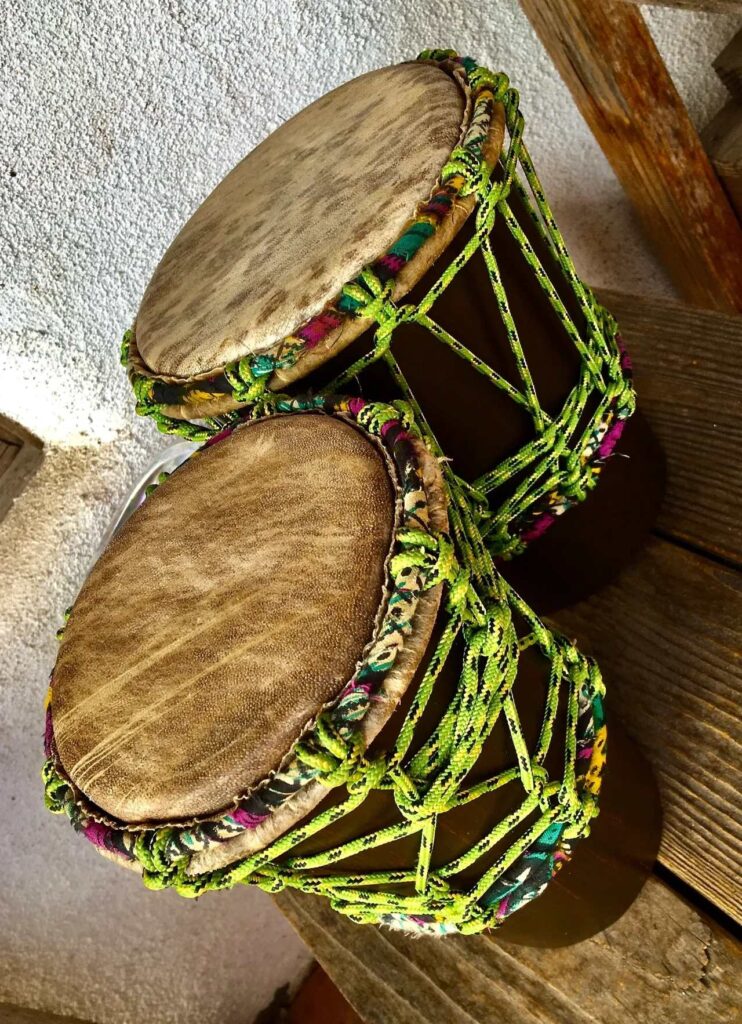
<point>384,426</point>
<point>445,211</point>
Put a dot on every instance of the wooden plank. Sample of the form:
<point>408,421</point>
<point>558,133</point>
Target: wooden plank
<point>609,61</point>
<point>728,65</point>
<point>718,6</point>
<point>722,138</point>
<point>689,382</point>
<point>8,452</point>
<point>20,457</point>
<point>660,964</point>
<point>666,635</point>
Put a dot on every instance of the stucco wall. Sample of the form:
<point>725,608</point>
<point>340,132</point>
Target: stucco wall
<point>117,119</point>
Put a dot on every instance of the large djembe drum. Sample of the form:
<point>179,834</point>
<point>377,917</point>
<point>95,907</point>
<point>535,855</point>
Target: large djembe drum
<point>299,663</point>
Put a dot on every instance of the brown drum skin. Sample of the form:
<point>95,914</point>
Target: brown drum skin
<point>478,426</point>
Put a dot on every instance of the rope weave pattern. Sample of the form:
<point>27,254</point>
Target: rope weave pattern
<point>560,465</point>
<point>428,781</point>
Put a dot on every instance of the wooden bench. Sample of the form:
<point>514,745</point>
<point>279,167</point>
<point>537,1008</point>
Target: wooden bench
<point>667,636</point>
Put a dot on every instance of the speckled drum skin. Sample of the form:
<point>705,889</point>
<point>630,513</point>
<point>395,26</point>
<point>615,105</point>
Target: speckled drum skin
<point>297,218</point>
<point>233,605</point>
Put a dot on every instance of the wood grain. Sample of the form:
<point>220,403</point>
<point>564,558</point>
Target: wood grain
<point>660,964</point>
<point>666,635</point>
<point>719,6</point>
<point>23,1015</point>
<point>609,61</point>
<point>320,1001</point>
<point>689,382</point>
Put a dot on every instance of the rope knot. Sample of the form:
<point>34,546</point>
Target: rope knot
<point>335,761</point>
<point>368,296</point>
<point>577,479</point>
<point>496,81</point>
<point>249,377</point>
<point>269,880</point>
<point>492,634</point>
<point>143,388</point>
<point>434,554</point>
<point>413,805</point>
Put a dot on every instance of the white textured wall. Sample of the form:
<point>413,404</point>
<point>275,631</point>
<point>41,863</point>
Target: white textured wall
<point>116,119</point>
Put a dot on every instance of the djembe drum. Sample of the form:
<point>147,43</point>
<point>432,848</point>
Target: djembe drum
<point>393,241</point>
<point>285,670</point>
<point>298,663</point>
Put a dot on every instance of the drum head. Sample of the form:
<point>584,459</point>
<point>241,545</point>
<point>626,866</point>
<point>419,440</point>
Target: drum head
<point>266,256</point>
<point>234,606</point>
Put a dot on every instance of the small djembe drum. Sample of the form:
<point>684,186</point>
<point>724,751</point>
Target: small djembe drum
<point>393,241</point>
<point>298,662</point>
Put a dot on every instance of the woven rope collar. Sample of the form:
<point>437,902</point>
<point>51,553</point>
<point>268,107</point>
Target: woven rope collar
<point>496,626</point>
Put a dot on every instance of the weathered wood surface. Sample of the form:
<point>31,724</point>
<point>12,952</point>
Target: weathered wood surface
<point>667,637</point>
<point>689,382</point>
<point>728,65</point>
<point>722,138</point>
<point>609,61</point>
<point>660,964</point>
<point>719,6</point>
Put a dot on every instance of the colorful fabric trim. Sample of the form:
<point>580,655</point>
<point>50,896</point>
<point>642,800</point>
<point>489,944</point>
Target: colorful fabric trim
<point>562,463</point>
<point>496,626</point>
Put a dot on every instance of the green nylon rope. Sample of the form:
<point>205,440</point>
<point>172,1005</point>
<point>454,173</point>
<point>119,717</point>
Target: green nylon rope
<point>496,627</point>
<point>554,453</point>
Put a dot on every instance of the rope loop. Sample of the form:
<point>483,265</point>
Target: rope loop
<point>337,761</point>
<point>576,476</point>
<point>414,806</point>
<point>368,296</point>
<point>491,635</point>
<point>406,415</point>
<point>125,348</point>
<point>497,81</point>
<point>433,553</point>
<point>247,382</point>
<point>269,878</point>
